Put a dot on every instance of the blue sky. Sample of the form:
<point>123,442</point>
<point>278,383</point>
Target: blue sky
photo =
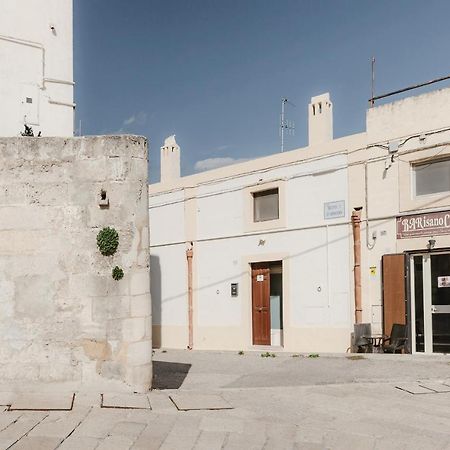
<point>213,71</point>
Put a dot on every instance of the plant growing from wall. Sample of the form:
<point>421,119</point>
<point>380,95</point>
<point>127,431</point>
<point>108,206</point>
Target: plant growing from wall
<point>28,131</point>
<point>107,241</point>
<point>117,273</point>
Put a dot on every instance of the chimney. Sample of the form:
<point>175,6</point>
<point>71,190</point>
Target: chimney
<point>170,160</point>
<point>320,124</point>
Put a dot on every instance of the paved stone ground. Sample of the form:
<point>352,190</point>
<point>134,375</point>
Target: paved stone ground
<point>282,402</point>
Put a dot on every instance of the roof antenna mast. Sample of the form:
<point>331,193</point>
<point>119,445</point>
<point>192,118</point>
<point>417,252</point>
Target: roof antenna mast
<point>285,125</point>
<point>372,100</point>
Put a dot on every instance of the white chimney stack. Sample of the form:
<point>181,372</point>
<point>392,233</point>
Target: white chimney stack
<point>320,123</point>
<point>170,160</point>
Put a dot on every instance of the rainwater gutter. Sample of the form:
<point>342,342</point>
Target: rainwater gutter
<point>356,226</point>
<point>189,256</point>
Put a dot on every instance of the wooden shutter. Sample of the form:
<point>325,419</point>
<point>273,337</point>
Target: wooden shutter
<point>394,292</point>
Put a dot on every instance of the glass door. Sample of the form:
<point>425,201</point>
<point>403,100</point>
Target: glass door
<point>440,302</point>
<point>430,295</point>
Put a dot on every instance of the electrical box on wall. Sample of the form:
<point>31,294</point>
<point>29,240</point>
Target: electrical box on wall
<point>234,289</point>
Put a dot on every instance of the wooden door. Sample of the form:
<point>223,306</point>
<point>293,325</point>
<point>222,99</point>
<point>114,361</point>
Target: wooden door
<point>261,306</point>
<point>394,293</point>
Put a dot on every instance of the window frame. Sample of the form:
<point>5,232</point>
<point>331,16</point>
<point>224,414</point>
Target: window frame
<point>249,224</point>
<point>414,166</point>
<point>259,194</point>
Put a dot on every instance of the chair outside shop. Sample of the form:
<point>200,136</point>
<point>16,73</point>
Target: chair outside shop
<point>396,342</point>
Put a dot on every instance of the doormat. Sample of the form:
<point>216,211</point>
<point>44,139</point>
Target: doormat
<point>42,402</point>
<point>125,401</point>
<point>190,402</point>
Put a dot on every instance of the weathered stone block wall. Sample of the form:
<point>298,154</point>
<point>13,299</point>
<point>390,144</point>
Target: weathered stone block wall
<point>62,315</point>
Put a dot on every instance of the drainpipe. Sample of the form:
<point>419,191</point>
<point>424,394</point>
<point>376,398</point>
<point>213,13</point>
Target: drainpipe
<point>356,225</point>
<point>189,255</point>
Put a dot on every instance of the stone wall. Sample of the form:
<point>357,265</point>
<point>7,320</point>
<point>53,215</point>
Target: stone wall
<point>62,315</point>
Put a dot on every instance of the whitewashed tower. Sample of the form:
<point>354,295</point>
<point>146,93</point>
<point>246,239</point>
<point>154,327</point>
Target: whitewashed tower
<point>36,67</point>
<point>320,123</point>
<point>170,160</point>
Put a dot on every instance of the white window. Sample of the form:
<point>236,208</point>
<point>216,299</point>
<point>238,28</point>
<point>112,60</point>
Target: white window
<point>266,205</point>
<point>432,177</point>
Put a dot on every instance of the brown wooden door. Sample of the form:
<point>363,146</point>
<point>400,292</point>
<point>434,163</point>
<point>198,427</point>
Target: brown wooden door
<point>261,306</point>
<point>394,293</point>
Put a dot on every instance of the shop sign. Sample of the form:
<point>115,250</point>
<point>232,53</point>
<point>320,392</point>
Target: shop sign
<point>430,224</point>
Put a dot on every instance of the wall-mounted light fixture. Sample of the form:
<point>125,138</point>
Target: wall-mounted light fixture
<point>431,244</point>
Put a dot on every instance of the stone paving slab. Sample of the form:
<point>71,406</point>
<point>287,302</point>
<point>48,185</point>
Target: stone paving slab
<point>437,387</point>
<point>7,419</point>
<point>60,424</point>
<point>6,398</point>
<point>155,433</point>
<point>115,443</point>
<point>160,402</point>
<point>41,402</point>
<point>79,443</point>
<point>196,401</point>
<point>210,440</point>
<point>129,429</point>
<point>414,388</point>
<point>37,443</point>
<point>126,401</point>
<point>20,428</point>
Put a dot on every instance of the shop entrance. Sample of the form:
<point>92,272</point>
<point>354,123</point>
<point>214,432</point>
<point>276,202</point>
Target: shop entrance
<point>430,302</point>
<point>267,303</point>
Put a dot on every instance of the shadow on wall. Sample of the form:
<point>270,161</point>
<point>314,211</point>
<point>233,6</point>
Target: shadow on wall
<point>169,375</point>
<point>155,290</point>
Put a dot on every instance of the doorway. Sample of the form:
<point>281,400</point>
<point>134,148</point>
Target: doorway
<point>267,303</point>
<point>430,302</point>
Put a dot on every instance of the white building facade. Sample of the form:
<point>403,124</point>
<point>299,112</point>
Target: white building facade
<point>36,59</point>
<point>261,254</point>
<point>270,252</point>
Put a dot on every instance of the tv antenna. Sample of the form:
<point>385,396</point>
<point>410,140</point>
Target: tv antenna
<point>285,125</point>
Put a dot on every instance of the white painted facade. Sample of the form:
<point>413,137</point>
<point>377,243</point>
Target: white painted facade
<point>212,213</point>
<point>36,60</point>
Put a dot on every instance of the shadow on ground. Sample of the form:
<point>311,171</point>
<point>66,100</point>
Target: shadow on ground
<point>169,375</point>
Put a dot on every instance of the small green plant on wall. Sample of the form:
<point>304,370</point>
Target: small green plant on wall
<point>117,273</point>
<point>107,241</point>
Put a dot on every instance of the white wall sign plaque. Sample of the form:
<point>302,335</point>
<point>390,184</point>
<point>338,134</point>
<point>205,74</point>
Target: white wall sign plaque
<point>334,210</point>
<point>259,277</point>
<point>444,281</point>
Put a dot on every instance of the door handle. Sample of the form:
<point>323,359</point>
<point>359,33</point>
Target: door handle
<point>433,308</point>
